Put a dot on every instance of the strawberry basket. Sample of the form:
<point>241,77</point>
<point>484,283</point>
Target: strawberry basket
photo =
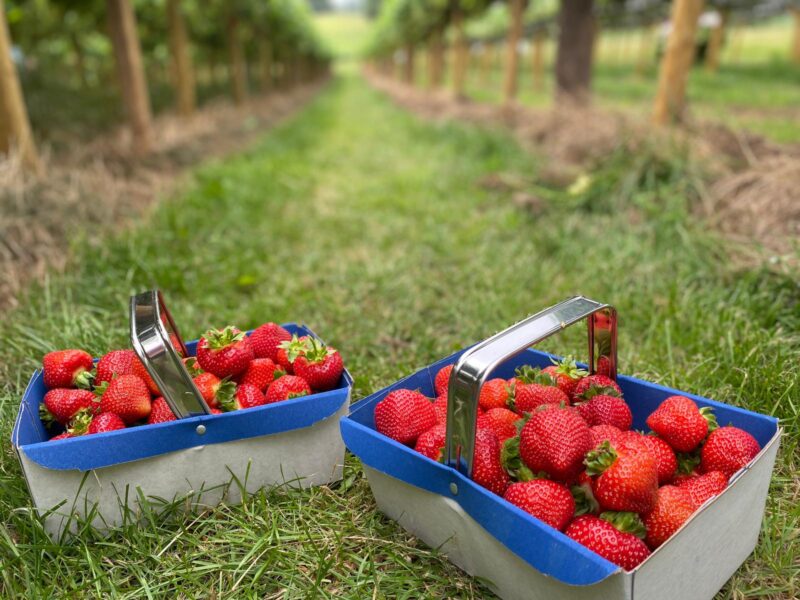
<point>199,456</point>
<point>518,555</point>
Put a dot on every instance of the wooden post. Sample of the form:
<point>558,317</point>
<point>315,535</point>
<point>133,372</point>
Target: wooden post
<point>130,72</point>
<point>15,128</point>
<point>436,59</point>
<point>265,60</point>
<point>238,70</point>
<point>796,39</point>
<point>715,41</point>
<point>461,52</point>
<point>576,39</point>
<point>677,61</point>
<point>516,8</point>
<point>408,66</point>
<point>182,69</point>
<point>537,59</point>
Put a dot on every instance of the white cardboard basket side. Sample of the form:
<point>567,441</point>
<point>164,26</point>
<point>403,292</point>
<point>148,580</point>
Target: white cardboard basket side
<point>298,458</point>
<point>693,565</point>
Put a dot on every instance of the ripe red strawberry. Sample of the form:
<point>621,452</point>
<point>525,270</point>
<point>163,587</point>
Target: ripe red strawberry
<point>555,440</point>
<point>289,350</point>
<point>191,364</point>
<point>224,352</point>
<point>61,404</point>
<point>601,433</point>
<point>246,396</point>
<point>679,422</point>
<point>501,421</point>
<point>596,380</point>
<point>566,373</point>
<point>600,536</point>
<point>126,396</point>
<point>672,508</point>
<point>260,373</point>
<point>603,409</point>
<point>61,436</point>
<point>287,387</point>
<point>546,500</point>
<point>728,449</point>
<point>320,365</point>
<point>265,339</point>
<point>440,406</point>
<point>625,476</point>
<point>404,415</point>
<point>430,443</point>
<point>105,422</point>
<point>442,380</point>
<point>530,396</point>
<point>666,461</point>
<point>123,362</point>
<point>214,390</point>
<point>495,393</point>
<point>487,470</point>
<point>67,369</point>
<point>705,486</point>
<point>161,412</point>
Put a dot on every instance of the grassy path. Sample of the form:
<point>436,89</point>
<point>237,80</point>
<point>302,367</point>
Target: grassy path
<point>369,226</point>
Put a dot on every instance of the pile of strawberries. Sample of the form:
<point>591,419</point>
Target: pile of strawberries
<point>232,371</point>
<point>558,444</point>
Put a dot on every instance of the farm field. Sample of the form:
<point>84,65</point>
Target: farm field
<point>376,229</point>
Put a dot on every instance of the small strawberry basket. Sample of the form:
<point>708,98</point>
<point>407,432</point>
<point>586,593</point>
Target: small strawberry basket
<point>517,554</point>
<point>202,457</point>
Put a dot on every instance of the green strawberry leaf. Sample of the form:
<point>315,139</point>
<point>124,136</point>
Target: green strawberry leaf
<point>597,461</point>
<point>626,522</point>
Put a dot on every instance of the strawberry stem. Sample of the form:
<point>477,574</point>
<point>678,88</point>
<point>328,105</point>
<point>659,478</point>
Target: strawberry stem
<point>600,459</point>
<point>626,522</point>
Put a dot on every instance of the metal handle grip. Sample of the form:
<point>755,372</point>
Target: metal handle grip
<point>476,364</point>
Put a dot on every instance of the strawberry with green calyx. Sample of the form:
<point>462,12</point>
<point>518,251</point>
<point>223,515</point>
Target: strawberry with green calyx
<point>680,423</point>
<point>290,349</point>
<point>160,412</point>
<point>260,373</point>
<point>192,366</point>
<point>501,421</point>
<point>582,494</point>
<point>623,549</point>
<point>532,388</point>
<point>728,449</point>
<point>61,436</point>
<point>442,379</point>
<point>214,390</point>
<point>440,407</point>
<point>626,522</point>
<point>598,381</point>
<point>430,443</point>
<point>666,460</point>
<point>527,374</point>
<point>704,487</point>
<point>495,393</point>
<point>85,422</point>
<point>671,510</point>
<point>127,396</point>
<point>224,352</point>
<point>62,404</point>
<point>602,433</point>
<point>606,409</point>
<point>688,464</point>
<point>554,440</point>
<point>287,387</point>
<point>566,374</point>
<point>404,415</point>
<point>266,338</point>
<point>320,365</point>
<point>625,476</point>
<point>67,369</point>
<point>246,396</point>
<point>512,462</point>
<point>122,362</point>
<point>546,500</point>
<point>487,469</point>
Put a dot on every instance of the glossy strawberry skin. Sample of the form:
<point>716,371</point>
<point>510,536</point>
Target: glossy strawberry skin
<point>728,449</point>
<point>265,339</point>
<point>546,500</point>
<point>128,397</point>
<point>630,481</point>
<point>123,362</point>
<point>63,403</point>
<point>601,433</point>
<point>666,461</point>
<point>404,415</point>
<point>501,421</point>
<point>596,380</point>
<point>442,379</point>
<point>160,412</point>
<point>704,487</point>
<point>440,406</point>
<point>602,409</point>
<point>105,422</point>
<point>321,375</point>
<point>623,549</point>
<point>495,393</point>
<point>555,440</point>
<point>260,373</point>
<point>671,510</point>
<point>249,396</point>
<point>213,389</point>
<point>61,436</point>
<point>679,422</point>
<point>62,368</point>
<point>430,443</point>
<point>530,396</point>
<point>225,353</point>
<point>287,387</point>
<point>487,470</point>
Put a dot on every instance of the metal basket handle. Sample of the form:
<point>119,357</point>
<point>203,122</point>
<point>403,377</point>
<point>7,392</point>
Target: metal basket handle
<point>477,363</point>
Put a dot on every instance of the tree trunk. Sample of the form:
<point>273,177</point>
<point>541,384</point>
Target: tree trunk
<point>796,40</point>
<point>516,7</point>
<point>265,58</point>
<point>182,70</point>
<point>576,37</point>
<point>537,59</point>
<point>15,129</point>
<point>715,41</point>
<point>677,61</point>
<point>436,59</point>
<point>130,72</point>
<point>408,66</point>
<point>460,57</point>
<point>238,69</point>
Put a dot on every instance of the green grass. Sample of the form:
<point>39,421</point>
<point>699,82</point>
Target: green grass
<point>369,225</point>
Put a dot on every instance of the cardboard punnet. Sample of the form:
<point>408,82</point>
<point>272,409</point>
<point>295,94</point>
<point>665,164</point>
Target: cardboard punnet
<point>523,559</point>
<point>207,458</point>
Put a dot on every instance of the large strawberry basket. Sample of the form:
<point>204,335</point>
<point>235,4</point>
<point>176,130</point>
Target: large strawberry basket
<point>198,454</point>
<point>521,548</point>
